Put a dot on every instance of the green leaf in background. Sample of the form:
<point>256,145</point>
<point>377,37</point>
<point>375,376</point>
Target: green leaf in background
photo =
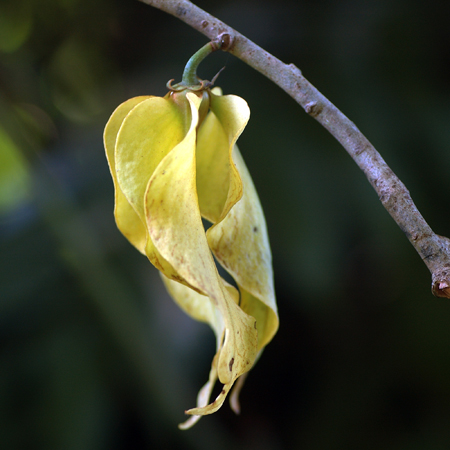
<point>15,25</point>
<point>14,174</point>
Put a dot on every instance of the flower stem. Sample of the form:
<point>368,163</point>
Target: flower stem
<point>190,71</point>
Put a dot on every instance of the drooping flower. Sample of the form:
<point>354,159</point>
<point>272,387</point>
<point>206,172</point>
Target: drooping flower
<point>173,161</point>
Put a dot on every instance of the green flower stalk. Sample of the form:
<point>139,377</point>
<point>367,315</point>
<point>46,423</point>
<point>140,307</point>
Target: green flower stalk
<point>174,161</point>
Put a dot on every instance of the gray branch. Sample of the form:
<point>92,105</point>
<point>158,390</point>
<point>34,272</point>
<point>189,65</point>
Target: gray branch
<point>433,249</point>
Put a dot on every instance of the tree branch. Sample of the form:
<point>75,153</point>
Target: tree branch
<point>433,249</point>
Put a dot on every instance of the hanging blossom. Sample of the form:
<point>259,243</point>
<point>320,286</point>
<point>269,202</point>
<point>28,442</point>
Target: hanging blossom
<point>174,161</point>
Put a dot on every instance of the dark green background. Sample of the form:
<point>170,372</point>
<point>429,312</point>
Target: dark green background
<point>94,355</point>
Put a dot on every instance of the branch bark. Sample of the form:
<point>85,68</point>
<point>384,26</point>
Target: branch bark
<point>433,249</point>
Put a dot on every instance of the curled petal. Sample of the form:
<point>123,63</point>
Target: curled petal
<point>196,305</point>
<point>127,220</point>
<point>203,396</point>
<point>147,134</point>
<point>228,198</point>
<point>240,243</point>
<point>234,396</point>
<point>200,308</point>
<point>214,406</point>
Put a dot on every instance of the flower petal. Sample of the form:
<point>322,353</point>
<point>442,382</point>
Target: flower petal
<point>200,308</point>
<point>241,244</point>
<point>233,113</point>
<point>203,396</point>
<point>213,168</point>
<point>127,220</point>
<point>147,134</point>
<point>215,405</point>
<point>196,305</point>
<point>239,237</point>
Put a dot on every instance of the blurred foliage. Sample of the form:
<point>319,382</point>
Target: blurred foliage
<point>94,355</point>
<point>14,176</point>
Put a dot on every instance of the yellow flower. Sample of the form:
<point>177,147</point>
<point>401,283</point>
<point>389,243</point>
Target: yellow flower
<point>172,163</point>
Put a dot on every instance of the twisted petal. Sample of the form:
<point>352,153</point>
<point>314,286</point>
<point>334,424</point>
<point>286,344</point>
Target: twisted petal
<point>203,396</point>
<point>229,200</point>
<point>240,243</point>
<point>200,308</point>
<point>175,226</point>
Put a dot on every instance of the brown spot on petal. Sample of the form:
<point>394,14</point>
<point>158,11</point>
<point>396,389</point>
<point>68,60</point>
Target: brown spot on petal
<point>231,364</point>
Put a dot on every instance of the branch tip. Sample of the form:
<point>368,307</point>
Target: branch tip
<point>439,290</point>
<point>441,283</point>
